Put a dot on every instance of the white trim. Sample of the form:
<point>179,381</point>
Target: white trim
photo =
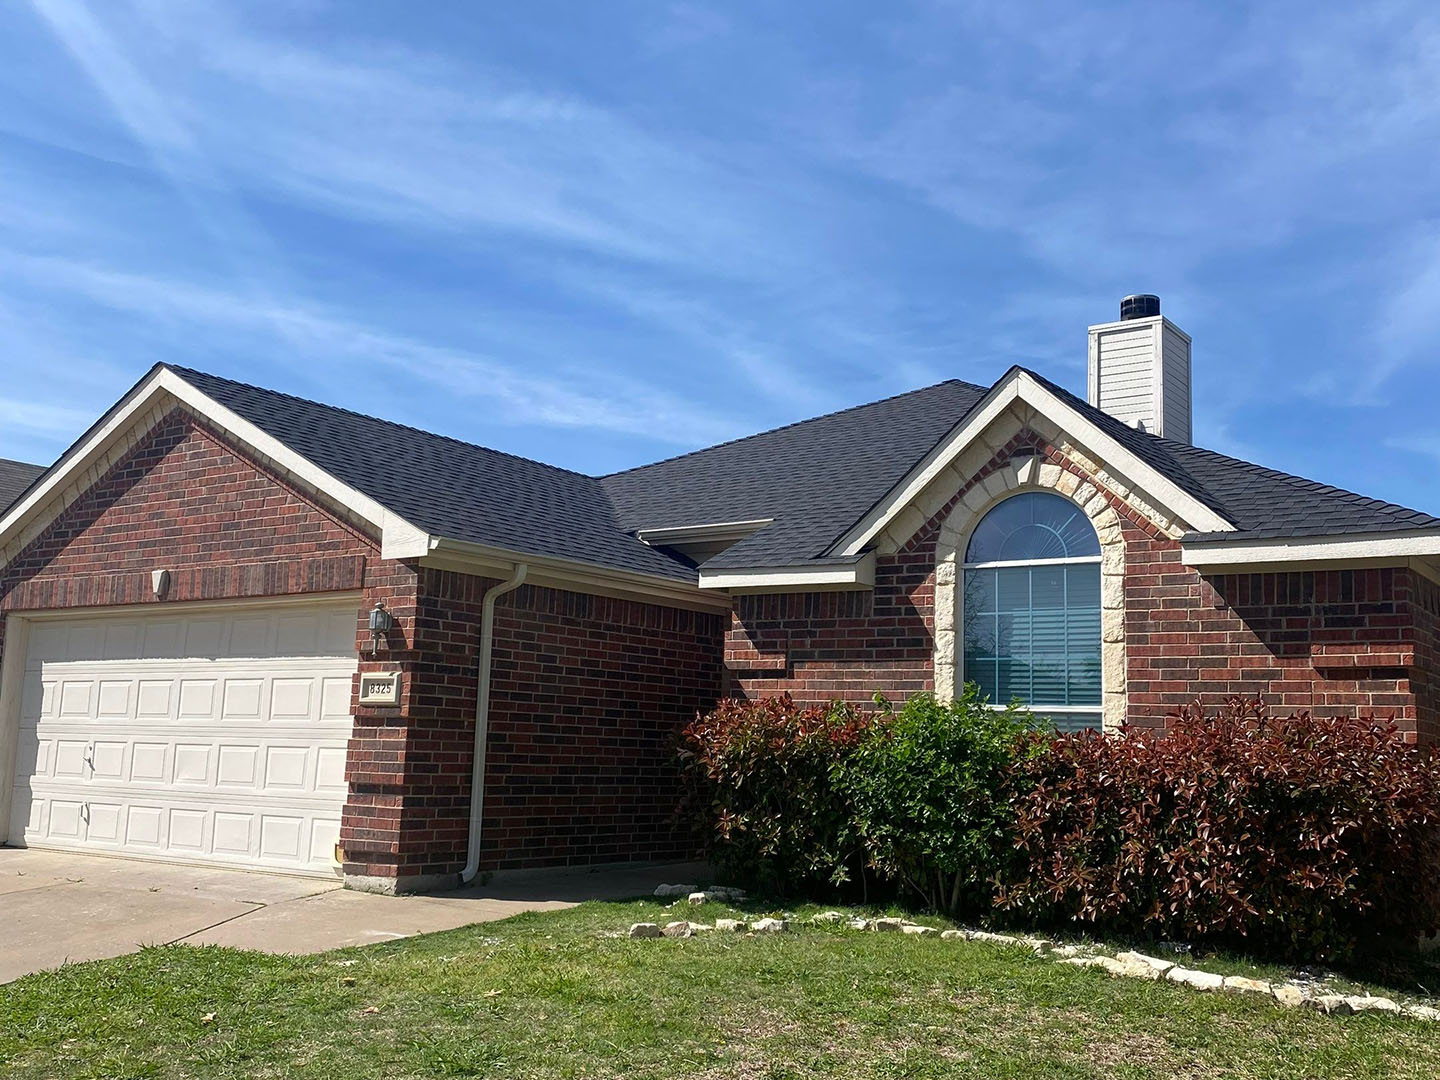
<point>1031,562</point>
<point>692,534</point>
<point>12,681</point>
<point>856,575</point>
<point>484,559</point>
<point>399,538</point>
<point>1295,549</point>
<point>1019,386</point>
<point>1098,710</point>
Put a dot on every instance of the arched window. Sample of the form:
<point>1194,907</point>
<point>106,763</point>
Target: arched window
<point>1032,609</point>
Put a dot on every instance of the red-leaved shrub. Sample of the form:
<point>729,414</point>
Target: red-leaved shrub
<point>1302,836</point>
<point>762,791</point>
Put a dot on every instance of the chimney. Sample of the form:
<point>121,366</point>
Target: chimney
<point>1140,369</point>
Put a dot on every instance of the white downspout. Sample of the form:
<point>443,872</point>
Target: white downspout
<point>482,717</point>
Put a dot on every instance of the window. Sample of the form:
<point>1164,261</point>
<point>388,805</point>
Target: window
<point>1032,609</point>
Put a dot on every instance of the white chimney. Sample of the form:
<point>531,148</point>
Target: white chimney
<point>1140,369</point>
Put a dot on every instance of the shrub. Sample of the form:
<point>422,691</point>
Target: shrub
<point>762,789</point>
<point>932,792</point>
<point>1303,836</point>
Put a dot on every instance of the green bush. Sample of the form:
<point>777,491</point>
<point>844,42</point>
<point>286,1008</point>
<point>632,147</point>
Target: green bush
<point>931,790</point>
<point>763,793</point>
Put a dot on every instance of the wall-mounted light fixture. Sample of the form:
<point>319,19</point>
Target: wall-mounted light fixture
<point>380,624</point>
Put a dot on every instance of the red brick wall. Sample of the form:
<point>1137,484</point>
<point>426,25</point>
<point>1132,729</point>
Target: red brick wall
<point>186,500</point>
<point>838,645</point>
<point>1341,641</point>
<point>589,692</point>
<point>1336,642</point>
<point>589,696</point>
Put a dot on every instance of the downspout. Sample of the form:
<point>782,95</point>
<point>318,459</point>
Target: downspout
<point>482,716</point>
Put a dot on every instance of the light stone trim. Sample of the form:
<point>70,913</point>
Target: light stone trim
<point>1028,474</point>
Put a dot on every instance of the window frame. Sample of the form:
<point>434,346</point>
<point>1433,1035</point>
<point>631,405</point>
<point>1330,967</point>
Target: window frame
<point>963,566</point>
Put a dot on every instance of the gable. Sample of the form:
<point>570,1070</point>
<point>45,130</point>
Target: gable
<point>1017,404</point>
<point>182,497</point>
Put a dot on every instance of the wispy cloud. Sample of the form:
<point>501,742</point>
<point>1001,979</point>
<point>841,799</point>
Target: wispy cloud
<point>316,338</point>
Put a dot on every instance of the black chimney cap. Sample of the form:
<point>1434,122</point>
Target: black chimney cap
<point>1139,306</point>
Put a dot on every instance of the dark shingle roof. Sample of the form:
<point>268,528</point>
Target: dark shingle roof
<point>1261,503</point>
<point>815,478</point>
<point>447,487</point>
<point>15,477</point>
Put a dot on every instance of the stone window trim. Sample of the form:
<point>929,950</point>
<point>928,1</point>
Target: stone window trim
<point>1032,473</point>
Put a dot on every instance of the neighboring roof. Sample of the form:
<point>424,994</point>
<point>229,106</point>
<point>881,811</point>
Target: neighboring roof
<point>815,478</point>
<point>15,477</point>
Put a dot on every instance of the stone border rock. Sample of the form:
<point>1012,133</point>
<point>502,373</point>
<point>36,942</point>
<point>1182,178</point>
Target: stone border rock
<point>1129,964</point>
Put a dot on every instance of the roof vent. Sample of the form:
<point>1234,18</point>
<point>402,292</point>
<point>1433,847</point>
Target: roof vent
<point>1139,306</point>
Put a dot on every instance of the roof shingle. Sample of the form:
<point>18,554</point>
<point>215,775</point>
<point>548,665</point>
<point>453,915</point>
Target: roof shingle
<point>815,479</point>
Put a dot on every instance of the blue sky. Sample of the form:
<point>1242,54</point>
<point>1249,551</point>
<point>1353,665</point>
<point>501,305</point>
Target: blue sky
<point>600,234</point>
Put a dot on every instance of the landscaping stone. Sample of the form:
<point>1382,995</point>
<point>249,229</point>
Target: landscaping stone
<point>915,928</point>
<point>827,917</point>
<point>1290,995</point>
<point>770,926</point>
<point>698,897</point>
<point>1242,984</point>
<point>858,924</point>
<point>1085,961</point>
<point>994,939</point>
<point>1199,980</point>
<point>1373,1004</point>
<point>727,894</point>
<point>886,924</point>
<point>1335,1004</point>
<point>736,926</point>
<point>645,930</point>
<point>663,891</point>
<point>679,929</point>
<point>1042,946</point>
<point>1066,952</point>
<point>1421,1012</point>
<point>1154,963</point>
<point>953,935</point>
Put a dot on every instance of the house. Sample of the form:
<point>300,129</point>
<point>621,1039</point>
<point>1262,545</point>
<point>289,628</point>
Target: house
<point>248,629</point>
<point>15,477</point>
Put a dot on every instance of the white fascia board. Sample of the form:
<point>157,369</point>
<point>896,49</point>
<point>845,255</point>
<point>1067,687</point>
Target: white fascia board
<point>571,575</point>
<point>1309,549</point>
<point>396,533</point>
<point>821,578</point>
<point>692,534</point>
<point>1020,387</point>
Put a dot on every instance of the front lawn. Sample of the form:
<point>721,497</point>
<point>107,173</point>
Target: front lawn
<point>552,996</point>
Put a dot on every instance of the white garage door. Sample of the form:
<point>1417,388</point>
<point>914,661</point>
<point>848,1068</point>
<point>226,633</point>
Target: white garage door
<point>216,736</point>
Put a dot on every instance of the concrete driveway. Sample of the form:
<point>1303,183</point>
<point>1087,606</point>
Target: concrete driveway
<point>60,907</point>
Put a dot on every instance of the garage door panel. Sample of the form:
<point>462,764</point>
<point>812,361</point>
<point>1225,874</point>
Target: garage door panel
<point>189,738</point>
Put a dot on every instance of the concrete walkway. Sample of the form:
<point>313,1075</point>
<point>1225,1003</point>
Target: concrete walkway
<point>58,907</point>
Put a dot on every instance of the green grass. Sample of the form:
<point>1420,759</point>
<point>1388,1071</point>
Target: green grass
<point>553,996</point>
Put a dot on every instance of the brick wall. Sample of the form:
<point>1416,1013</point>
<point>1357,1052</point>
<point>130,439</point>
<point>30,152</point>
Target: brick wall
<point>1335,642</point>
<point>588,698</point>
<point>185,499</point>
<point>838,645</point>
<point>589,692</point>
<point>1341,641</point>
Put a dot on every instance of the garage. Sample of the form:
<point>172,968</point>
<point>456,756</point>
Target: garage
<point>212,734</point>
